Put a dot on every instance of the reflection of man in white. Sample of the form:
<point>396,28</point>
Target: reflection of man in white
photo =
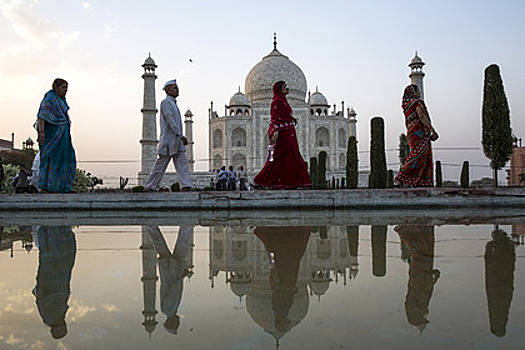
<point>173,269</point>
<point>171,142</point>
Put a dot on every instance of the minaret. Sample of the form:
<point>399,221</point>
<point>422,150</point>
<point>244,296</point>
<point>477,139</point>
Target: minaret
<point>149,281</point>
<point>149,111</point>
<point>416,76</point>
<point>352,116</point>
<point>188,132</point>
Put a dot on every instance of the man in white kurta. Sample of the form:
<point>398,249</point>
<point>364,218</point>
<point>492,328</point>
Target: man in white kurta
<point>171,142</point>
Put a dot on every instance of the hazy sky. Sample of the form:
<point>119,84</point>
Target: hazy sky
<point>354,51</point>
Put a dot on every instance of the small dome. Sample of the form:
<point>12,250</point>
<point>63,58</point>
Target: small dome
<point>239,99</point>
<point>240,288</point>
<point>416,61</point>
<point>29,142</point>
<point>318,99</point>
<point>188,114</point>
<point>320,287</point>
<point>149,62</point>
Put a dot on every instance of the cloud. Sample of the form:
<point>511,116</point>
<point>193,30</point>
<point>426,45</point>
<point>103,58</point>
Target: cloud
<point>78,311</point>
<point>110,307</point>
<point>26,24</point>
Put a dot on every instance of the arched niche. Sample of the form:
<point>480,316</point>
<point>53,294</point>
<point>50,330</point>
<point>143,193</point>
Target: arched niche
<point>217,138</point>
<point>239,137</point>
<point>322,137</point>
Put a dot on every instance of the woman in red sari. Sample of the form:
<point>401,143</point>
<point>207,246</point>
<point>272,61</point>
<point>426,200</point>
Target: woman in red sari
<point>285,167</point>
<point>418,168</point>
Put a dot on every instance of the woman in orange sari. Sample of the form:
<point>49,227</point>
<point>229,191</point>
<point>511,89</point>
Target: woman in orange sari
<point>285,167</point>
<point>418,168</point>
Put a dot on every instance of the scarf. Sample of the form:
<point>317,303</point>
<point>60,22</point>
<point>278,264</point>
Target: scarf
<point>53,109</point>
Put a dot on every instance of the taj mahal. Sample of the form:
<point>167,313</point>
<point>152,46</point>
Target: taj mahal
<point>240,135</point>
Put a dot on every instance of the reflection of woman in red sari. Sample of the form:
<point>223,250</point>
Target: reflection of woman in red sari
<point>419,241</point>
<point>418,168</point>
<point>286,167</point>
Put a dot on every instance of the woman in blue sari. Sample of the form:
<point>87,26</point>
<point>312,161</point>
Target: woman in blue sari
<point>57,157</point>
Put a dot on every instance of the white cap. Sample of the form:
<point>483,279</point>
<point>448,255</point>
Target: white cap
<point>170,82</point>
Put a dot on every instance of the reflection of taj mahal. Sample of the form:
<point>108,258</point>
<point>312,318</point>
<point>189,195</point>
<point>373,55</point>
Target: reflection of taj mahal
<point>248,268</point>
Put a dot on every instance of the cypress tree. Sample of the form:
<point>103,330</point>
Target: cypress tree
<point>390,179</point>
<point>321,171</point>
<point>496,133</point>
<point>439,174</point>
<point>465,176</point>
<point>404,149</point>
<point>377,154</point>
<point>333,183</point>
<point>313,171</point>
<point>352,163</point>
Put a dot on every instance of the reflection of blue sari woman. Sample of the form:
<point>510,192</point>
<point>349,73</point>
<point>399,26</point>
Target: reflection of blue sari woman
<point>57,156</point>
<point>56,257</point>
<point>172,269</point>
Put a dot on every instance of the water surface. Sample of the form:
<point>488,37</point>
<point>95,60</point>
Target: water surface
<point>263,286</point>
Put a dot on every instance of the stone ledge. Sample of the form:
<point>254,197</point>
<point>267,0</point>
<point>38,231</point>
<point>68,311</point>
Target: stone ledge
<point>358,199</point>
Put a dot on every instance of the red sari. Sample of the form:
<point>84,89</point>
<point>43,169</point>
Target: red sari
<point>287,169</point>
<point>418,168</point>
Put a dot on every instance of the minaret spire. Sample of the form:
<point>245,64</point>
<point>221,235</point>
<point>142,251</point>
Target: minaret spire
<point>274,40</point>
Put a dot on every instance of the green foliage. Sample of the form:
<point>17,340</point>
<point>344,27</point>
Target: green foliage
<point>10,171</point>
<point>439,174</point>
<point>313,171</point>
<point>343,184</point>
<point>321,172</point>
<point>464,179</point>
<point>377,154</point>
<point>84,181</point>
<point>138,188</point>
<point>521,177</point>
<point>404,149</point>
<point>449,183</point>
<point>332,185</point>
<point>18,157</point>
<point>483,182</point>
<point>390,179</point>
<point>496,130</point>
<point>352,171</point>
<point>379,234</point>
<point>175,187</point>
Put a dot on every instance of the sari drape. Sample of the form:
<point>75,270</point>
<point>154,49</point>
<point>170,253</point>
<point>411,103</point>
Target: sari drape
<point>286,169</point>
<point>57,155</point>
<point>418,168</point>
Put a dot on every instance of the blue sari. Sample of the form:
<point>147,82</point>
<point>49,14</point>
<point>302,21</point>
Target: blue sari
<point>57,157</point>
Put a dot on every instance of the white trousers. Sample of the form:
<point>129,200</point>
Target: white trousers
<point>182,167</point>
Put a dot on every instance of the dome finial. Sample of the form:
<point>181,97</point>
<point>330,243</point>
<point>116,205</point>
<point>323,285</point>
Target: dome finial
<point>275,40</point>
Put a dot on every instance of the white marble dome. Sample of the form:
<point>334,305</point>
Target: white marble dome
<point>272,68</point>
<point>239,99</point>
<point>318,99</point>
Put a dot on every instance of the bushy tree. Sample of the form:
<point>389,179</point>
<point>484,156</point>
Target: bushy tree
<point>84,181</point>
<point>18,157</point>
<point>377,154</point>
<point>496,130</point>
<point>321,171</point>
<point>10,171</point>
<point>483,182</point>
<point>439,174</point>
<point>465,175</point>
<point>352,161</point>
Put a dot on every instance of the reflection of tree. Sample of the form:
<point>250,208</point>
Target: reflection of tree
<point>172,270</point>
<point>285,247</point>
<point>379,250</point>
<point>500,260</point>
<point>418,241</point>
<point>56,257</point>
<point>352,233</point>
